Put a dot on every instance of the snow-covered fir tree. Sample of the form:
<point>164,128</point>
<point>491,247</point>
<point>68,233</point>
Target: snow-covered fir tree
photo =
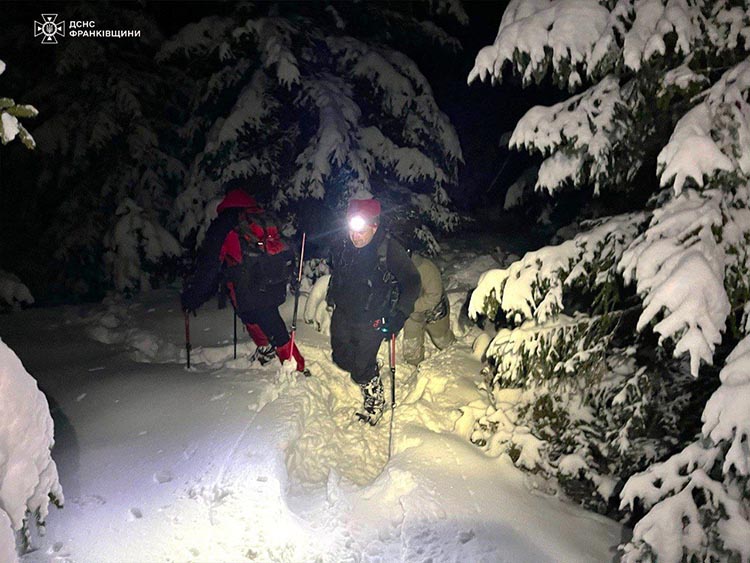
<point>314,102</point>
<point>13,292</point>
<point>103,138</point>
<point>610,342</point>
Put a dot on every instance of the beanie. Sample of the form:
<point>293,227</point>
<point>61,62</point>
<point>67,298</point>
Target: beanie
<point>368,209</point>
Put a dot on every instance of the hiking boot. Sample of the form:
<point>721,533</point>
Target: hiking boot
<point>263,354</point>
<point>374,401</point>
<point>306,372</point>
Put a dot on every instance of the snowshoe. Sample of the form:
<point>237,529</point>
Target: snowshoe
<point>263,354</point>
<point>374,401</point>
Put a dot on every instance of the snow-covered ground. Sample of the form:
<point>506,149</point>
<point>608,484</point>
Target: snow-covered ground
<point>232,462</point>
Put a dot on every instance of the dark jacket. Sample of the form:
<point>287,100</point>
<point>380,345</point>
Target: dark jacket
<point>361,290</point>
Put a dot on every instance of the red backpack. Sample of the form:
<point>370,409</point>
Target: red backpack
<point>255,255</point>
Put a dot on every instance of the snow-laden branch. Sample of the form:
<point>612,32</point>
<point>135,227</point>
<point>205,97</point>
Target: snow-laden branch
<point>534,35</point>
<point>712,137</point>
<point>10,126</point>
<point>678,267</point>
<point>134,241</point>
<point>532,288</point>
<point>578,133</point>
<point>671,488</point>
<point>334,141</point>
<point>196,39</point>
<point>274,38</point>
<point>582,38</point>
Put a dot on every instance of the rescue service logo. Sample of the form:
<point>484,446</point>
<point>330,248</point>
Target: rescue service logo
<point>49,28</point>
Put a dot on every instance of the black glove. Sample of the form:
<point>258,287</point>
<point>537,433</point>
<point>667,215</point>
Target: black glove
<point>294,286</point>
<point>391,324</point>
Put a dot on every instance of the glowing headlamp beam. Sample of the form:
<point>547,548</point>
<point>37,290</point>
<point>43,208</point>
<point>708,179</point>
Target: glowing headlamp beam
<point>357,223</point>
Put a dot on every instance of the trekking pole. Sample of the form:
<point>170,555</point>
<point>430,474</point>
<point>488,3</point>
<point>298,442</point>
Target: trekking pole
<point>392,362</point>
<point>187,337</point>
<point>296,294</point>
<point>235,333</point>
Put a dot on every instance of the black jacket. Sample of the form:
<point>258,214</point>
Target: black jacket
<point>361,289</point>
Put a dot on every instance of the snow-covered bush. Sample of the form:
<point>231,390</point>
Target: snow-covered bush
<point>13,293</point>
<point>660,86</point>
<point>28,475</point>
<point>315,102</point>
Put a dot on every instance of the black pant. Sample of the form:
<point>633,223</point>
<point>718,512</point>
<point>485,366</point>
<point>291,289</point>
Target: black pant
<point>355,347</point>
<point>270,322</point>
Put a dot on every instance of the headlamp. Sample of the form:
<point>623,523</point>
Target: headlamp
<point>357,223</point>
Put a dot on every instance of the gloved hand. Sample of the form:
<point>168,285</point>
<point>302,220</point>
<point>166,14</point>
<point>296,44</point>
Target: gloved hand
<point>390,325</point>
<point>294,286</point>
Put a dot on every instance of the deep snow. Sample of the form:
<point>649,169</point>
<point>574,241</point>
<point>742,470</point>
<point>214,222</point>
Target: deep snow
<point>230,462</point>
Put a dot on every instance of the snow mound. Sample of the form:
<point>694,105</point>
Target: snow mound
<point>28,475</point>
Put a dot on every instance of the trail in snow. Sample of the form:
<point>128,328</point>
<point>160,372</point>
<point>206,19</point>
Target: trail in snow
<point>230,462</point>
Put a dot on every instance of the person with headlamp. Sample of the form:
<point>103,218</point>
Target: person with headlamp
<point>373,287</point>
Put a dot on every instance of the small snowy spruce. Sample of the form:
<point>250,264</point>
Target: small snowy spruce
<point>605,331</point>
<point>28,475</point>
<point>13,293</point>
<point>312,103</point>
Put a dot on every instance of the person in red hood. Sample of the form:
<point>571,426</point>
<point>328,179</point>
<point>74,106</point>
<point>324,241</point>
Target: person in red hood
<point>243,250</point>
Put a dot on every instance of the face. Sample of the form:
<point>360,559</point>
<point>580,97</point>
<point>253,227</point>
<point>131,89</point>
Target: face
<point>361,238</point>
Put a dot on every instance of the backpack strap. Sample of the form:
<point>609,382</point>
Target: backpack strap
<point>388,277</point>
<point>383,257</point>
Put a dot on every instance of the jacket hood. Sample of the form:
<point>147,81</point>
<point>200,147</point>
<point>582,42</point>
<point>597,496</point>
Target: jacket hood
<point>241,199</point>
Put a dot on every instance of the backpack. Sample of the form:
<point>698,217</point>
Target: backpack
<point>265,259</point>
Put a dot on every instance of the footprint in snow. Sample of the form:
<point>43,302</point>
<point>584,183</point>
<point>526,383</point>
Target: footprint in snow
<point>55,548</point>
<point>88,500</point>
<point>466,536</point>
<point>189,451</point>
<point>164,476</point>
<point>134,514</point>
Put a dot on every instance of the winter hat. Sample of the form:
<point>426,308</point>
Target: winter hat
<point>239,198</point>
<point>368,209</point>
